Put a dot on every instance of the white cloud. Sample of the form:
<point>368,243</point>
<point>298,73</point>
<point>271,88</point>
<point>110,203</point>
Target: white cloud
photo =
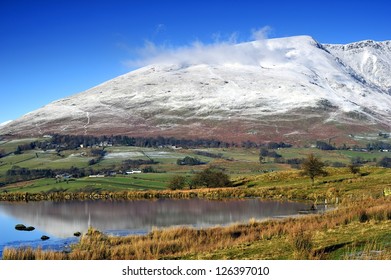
<point>159,28</point>
<point>219,52</point>
<point>261,33</point>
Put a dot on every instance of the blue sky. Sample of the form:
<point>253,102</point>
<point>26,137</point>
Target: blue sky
<point>53,49</point>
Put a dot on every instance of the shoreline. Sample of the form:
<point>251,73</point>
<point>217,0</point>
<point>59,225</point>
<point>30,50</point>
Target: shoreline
<point>328,235</point>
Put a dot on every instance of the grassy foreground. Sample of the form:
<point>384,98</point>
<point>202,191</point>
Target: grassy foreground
<point>357,230</point>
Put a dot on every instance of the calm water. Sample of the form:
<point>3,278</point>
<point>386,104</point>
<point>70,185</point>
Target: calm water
<point>59,220</point>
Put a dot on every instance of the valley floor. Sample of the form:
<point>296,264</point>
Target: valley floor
<point>358,227</point>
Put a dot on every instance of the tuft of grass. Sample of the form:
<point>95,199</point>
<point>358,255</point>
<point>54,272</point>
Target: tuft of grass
<point>372,250</point>
<point>28,253</point>
<point>301,241</point>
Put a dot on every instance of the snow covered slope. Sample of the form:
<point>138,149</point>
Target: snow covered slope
<point>369,59</point>
<point>5,123</point>
<point>278,89</point>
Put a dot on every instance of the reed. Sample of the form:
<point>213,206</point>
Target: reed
<point>28,253</point>
<point>302,244</point>
<point>372,250</point>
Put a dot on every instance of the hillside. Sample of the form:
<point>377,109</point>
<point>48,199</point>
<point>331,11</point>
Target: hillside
<point>288,89</point>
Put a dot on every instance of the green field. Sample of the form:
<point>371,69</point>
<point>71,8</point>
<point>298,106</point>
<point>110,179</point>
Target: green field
<point>118,183</point>
<point>237,162</point>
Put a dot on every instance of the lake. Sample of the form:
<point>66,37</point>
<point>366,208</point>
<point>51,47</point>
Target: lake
<point>60,220</point>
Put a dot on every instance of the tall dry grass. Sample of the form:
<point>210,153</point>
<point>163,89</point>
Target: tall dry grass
<point>28,253</point>
<point>372,250</point>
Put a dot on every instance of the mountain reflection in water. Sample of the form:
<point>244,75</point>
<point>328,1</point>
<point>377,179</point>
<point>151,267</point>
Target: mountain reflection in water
<point>62,219</point>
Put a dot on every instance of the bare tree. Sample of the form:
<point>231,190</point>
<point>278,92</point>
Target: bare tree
<point>312,166</point>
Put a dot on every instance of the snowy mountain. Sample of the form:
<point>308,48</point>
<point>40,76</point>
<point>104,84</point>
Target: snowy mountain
<point>5,123</point>
<point>285,89</point>
<point>368,59</point>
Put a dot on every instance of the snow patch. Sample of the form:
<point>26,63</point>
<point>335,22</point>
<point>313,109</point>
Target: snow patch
<point>124,155</point>
<point>5,123</point>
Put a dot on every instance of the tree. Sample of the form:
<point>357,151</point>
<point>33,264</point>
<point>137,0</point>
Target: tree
<point>18,151</point>
<point>385,162</point>
<point>324,146</point>
<point>177,182</point>
<point>354,168</point>
<point>189,161</point>
<point>211,178</point>
<point>263,152</point>
<point>261,159</point>
<point>149,169</point>
<point>312,167</point>
<point>266,153</point>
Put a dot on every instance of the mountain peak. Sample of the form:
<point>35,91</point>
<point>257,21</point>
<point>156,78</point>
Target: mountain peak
<point>365,44</point>
<point>369,59</point>
<point>282,89</point>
